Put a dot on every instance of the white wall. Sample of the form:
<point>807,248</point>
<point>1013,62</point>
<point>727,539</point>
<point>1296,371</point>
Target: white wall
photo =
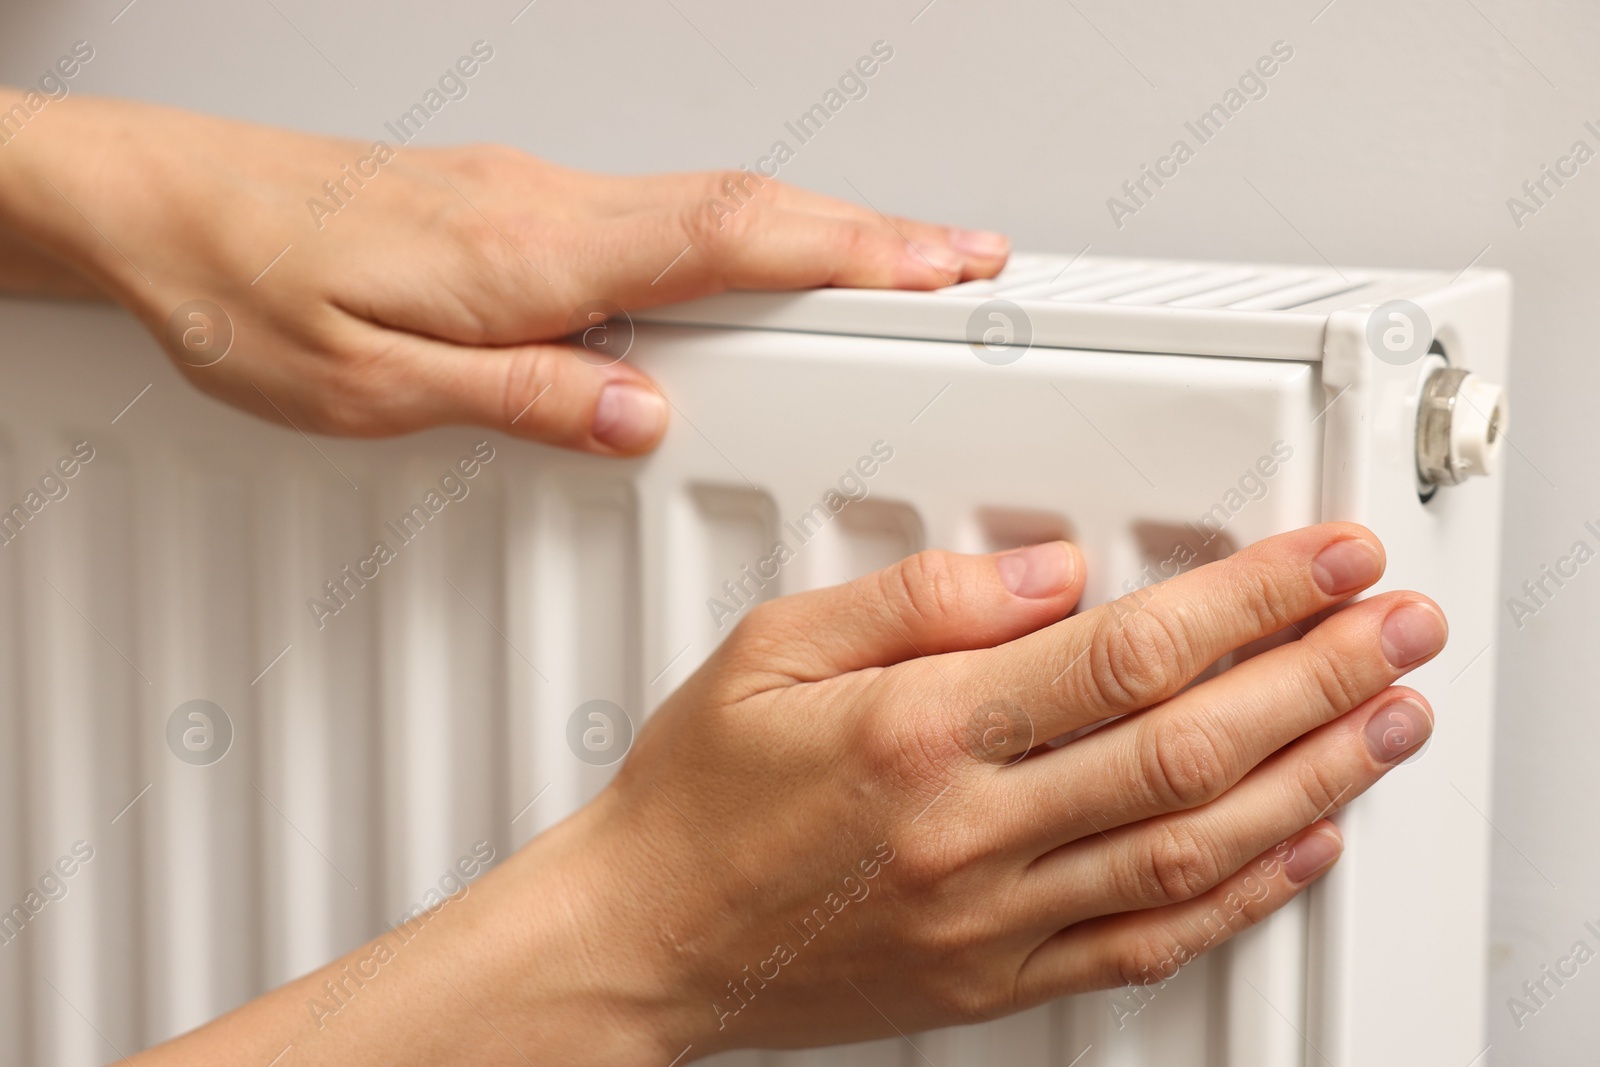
<point>1393,137</point>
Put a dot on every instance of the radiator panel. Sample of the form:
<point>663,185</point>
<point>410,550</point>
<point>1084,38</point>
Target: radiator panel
<point>375,745</point>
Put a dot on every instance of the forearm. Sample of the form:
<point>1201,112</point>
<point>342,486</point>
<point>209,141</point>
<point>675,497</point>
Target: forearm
<point>511,971</point>
<point>50,171</point>
<point>111,191</point>
<point>26,270</point>
<point>30,259</point>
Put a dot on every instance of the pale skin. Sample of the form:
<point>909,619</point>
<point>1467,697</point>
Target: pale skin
<point>848,822</point>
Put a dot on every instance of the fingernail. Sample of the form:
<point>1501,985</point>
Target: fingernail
<point>629,417</point>
<point>1396,729</point>
<point>944,260</point>
<point>1411,632</point>
<point>1345,566</point>
<point>1312,854</point>
<point>983,243</point>
<point>1037,571</point>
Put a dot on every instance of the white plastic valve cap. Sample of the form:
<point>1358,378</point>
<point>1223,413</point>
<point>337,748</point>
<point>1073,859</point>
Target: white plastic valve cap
<point>1477,426</point>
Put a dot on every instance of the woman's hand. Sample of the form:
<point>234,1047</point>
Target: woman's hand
<point>378,291</point>
<point>851,822</point>
<point>855,798</point>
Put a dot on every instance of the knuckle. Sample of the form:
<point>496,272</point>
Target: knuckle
<point>923,587</point>
<point>1322,790</point>
<point>1334,675</point>
<point>528,371</point>
<point>712,226</point>
<point>488,162</point>
<point>1182,765</point>
<point>883,751</point>
<point>1145,961</point>
<point>911,751</point>
<point>1269,596</point>
<point>521,380</point>
<point>702,221</point>
<point>957,975</point>
<point>732,184</point>
<point>1179,864</point>
<point>923,863</point>
<point>344,399</point>
<point>1133,657</point>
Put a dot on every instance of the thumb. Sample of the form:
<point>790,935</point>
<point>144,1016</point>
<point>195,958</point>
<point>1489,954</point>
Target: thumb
<point>552,393</point>
<point>925,605</point>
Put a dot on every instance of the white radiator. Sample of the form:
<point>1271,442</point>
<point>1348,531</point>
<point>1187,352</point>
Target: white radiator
<point>375,745</point>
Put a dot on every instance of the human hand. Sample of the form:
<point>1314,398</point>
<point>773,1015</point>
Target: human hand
<point>849,821</point>
<point>433,286</point>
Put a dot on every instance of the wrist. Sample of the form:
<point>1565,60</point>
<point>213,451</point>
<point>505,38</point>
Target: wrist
<point>41,253</point>
<point>51,173</point>
<point>597,965</point>
<point>554,958</point>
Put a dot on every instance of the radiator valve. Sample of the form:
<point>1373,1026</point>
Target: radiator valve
<point>1461,425</point>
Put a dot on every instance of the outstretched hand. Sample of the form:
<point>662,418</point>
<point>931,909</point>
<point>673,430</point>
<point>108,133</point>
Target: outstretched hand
<point>380,289</point>
<point>852,818</point>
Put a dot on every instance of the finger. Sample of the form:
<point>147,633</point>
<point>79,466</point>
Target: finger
<point>736,188</point>
<point>1176,858</point>
<point>1143,648</point>
<point>555,394</point>
<point>984,252</point>
<point>1192,748</point>
<point>532,280</point>
<point>700,250</point>
<point>496,294</point>
<point>927,604</point>
<point>1145,947</point>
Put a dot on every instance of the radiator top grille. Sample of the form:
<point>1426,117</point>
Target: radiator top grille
<point>1141,283</point>
<point>1099,303</point>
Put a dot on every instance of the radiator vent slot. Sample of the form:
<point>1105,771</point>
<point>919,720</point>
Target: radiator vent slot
<point>1184,285</point>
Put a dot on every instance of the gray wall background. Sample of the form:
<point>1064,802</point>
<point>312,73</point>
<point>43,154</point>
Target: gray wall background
<point>1393,137</point>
